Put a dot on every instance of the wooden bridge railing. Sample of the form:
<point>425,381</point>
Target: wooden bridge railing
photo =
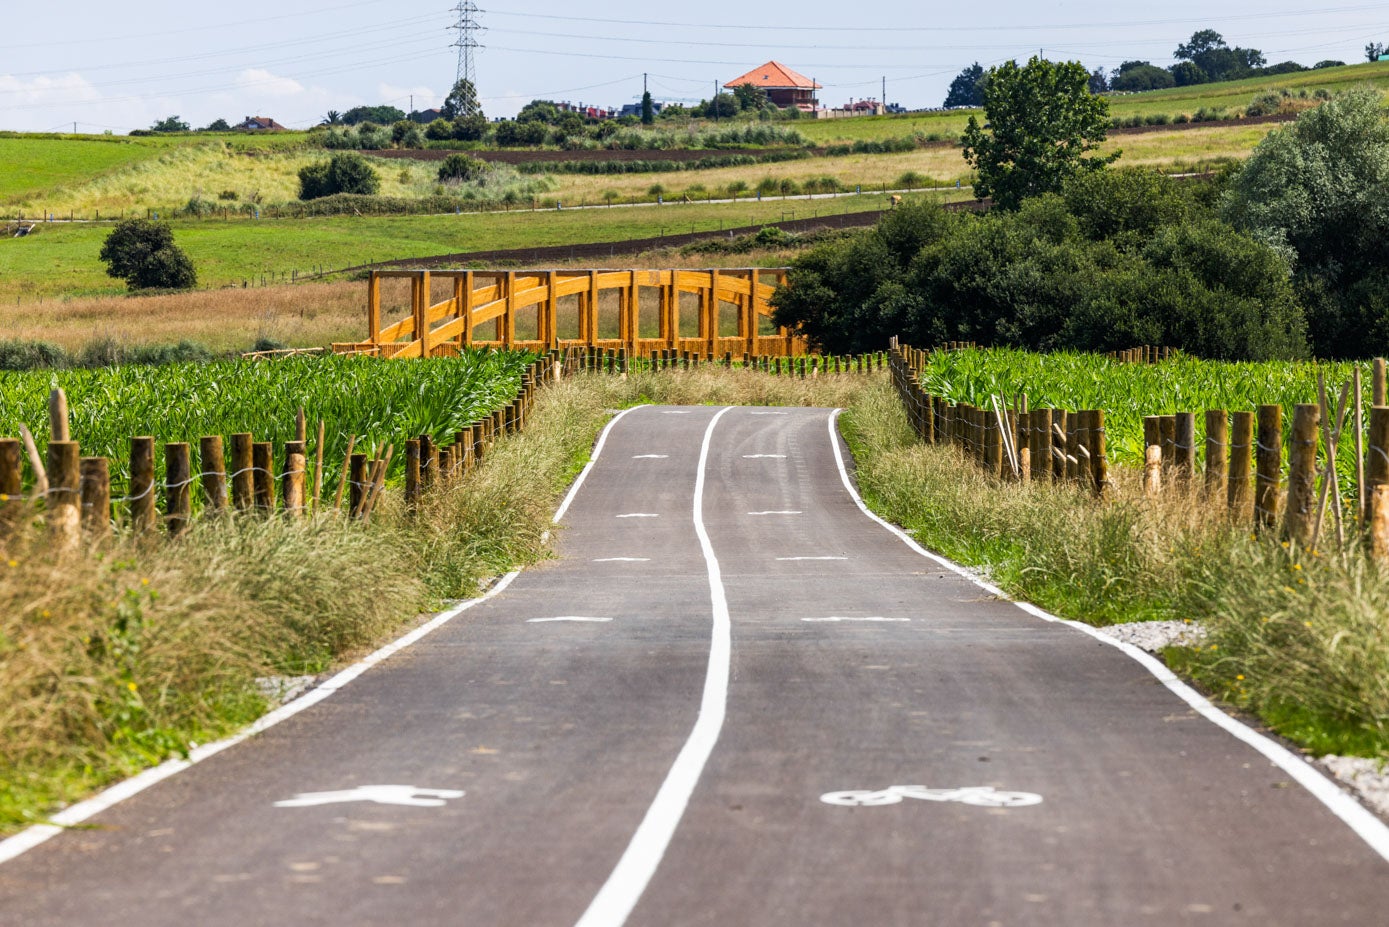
<point>602,309</point>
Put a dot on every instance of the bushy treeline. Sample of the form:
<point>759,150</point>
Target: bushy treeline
<point>1121,258</point>
<point>105,352</point>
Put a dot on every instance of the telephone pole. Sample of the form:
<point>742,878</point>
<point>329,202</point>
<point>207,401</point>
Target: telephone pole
<point>467,28</point>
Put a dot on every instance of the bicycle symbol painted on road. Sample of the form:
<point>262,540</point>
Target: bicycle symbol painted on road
<point>984,796</point>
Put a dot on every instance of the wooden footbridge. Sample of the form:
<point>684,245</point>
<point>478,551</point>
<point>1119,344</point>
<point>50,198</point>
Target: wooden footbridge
<point>709,312</point>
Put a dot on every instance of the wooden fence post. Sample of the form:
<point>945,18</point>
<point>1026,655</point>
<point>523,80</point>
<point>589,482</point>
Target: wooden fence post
<point>1167,426</point>
<point>1377,456</point>
<point>356,484</point>
<point>1217,456</point>
<point>1184,446</point>
<point>1268,460</point>
<point>243,478</point>
<point>64,506</point>
<point>178,495</point>
<point>263,461</point>
<point>1058,443</point>
<point>95,476</point>
<point>293,481</point>
<point>1302,474</point>
<point>427,461</point>
<point>1239,493</point>
<point>211,461</point>
<point>1152,469</point>
<point>1377,523</point>
<point>1041,445</point>
<point>144,506</point>
<point>412,473</point>
<point>58,416</point>
<point>11,484</point>
<point>1099,460</point>
<point>1378,387</point>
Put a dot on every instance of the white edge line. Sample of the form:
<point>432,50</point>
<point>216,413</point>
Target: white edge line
<point>624,887</point>
<point>82,811</point>
<point>31,837</point>
<point>1354,815</point>
<point>592,459</point>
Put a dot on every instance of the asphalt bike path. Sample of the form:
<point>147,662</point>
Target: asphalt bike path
<point>734,699</point>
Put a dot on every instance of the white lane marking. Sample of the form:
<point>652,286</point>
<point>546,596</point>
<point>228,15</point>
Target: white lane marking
<point>867,618</point>
<point>762,456</point>
<point>812,558</point>
<point>676,412</point>
<point>622,560</point>
<point>619,895</point>
<point>1354,815</point>
<point>380,794</point>
<point>775,513</point>
<point>564,618</point>
<point>650,456</point>
<point>638,515</point>
<point>984,796</point>
<point>593,459</point>
<point>768,413</point>
<point>76,814</point>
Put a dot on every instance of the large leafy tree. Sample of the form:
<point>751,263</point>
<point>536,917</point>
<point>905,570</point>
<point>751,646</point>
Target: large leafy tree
<point>1208,51</point>
<point>1042,120</point>
<point>1319,191</point>
<point>1135,76</point>
<point>967,89</point>
<point>143,254</point>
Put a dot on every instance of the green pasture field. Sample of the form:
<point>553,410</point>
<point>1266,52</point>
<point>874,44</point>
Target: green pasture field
<point>36,164</point>
<point>1229,95</point>
<point>62,259</point>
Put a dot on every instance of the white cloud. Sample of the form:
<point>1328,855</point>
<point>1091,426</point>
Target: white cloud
<point>264,83</point>
<point>45,91</point>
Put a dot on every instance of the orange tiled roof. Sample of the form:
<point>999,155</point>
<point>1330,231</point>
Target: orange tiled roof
<point>773,75</point>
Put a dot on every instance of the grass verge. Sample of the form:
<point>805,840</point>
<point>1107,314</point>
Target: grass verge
<point>1295,637</point>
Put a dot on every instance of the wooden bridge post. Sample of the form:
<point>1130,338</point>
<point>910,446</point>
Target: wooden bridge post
<point>463,307</point>
<point>588,317</point>
<point>374,308</point>
<point>633,329</point>
<point>419,292</point>
<point>549,328</point>
<point>508,332</point>
<point>790,338</point>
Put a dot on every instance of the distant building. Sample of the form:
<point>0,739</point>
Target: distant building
<point>424,117</point>
<point>588,112</point>
<point>783,86</point>
<point>259,124</point>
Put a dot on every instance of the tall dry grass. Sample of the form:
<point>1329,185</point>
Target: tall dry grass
<point>304,315</point>
<point>1296,636</point>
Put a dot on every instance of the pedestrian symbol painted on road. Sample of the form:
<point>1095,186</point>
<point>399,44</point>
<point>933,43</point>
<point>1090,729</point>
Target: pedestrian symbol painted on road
<point>380,794</point>
<point>984,796</point>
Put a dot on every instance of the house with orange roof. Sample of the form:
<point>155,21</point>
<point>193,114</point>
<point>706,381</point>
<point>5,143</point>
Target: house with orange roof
<point>784,87</point>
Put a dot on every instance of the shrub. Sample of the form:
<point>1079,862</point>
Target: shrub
<point>461,168</point>
<point>28,355</point>
<point>143,254</point>
<point>343,173</point>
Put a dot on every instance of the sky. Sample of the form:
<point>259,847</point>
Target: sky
<point>113,67</point>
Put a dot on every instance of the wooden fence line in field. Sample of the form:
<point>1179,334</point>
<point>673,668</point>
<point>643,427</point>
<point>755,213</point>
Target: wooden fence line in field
<point>1041,445</point>
<point>76,491</point>
<point>606,360</point>
<point>500,297</point>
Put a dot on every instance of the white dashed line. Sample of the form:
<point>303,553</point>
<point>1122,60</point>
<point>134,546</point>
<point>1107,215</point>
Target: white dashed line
<point>787,512</point>
<point>868,618</point>
<point>650,456</point>
<point>675,412</point>
<point>564,618</point>
<point>767,413</point>
<point>761,456</point>
<point>812,558</point>
<point>622,560</point>
<point>638,515</point>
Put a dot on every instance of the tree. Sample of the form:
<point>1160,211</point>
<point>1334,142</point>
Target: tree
<point>1328,63</point>
<point>648,109</point>
<point>346,172</point>
<point>539,111</point>
<point>1042,119</point>
<point>967,87</point>
<point>749,97</point>
<point>380,115</point>
<point>461,168</point>
<point>1319,191</point>
<point>143,254</point>
<point>333,118</point>
<point>1187,73</point>
<point>1099,81</point>
<point>1217,60</point>
<point>1136,76</point>
<point>218,125</point>
<point>722,106</point>
<point>407,134</point>
<point>170,124</point>
<point>1373,51</point>
<point>461,101</point>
